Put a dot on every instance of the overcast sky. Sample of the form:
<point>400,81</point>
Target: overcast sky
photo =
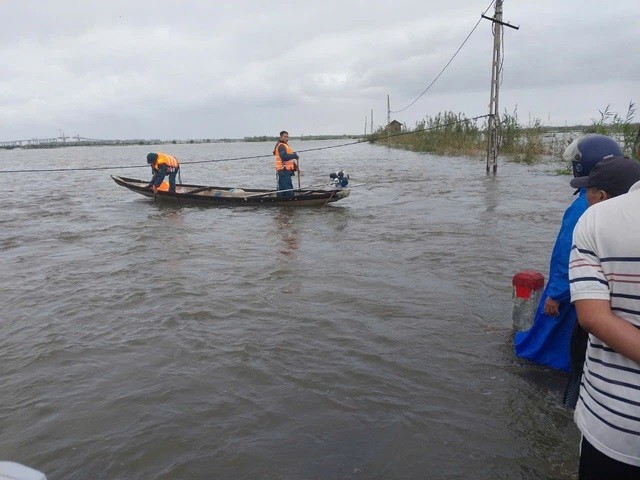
<point>208,69</point>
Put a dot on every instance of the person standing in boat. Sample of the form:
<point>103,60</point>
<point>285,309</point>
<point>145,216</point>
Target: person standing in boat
<point>547,341</point>
<point>285,165</point>
<point>163,164</point>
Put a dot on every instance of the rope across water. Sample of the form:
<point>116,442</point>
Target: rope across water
<point>215,160</point>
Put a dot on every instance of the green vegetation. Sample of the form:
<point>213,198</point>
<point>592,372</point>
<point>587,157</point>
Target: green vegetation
<point>265,138</point>
<point>83,143</point>
<point>567,170</point>
<point>97,142</point>
<point>452,133</point>
<point>611,123</point>
<point>623,129</point>
<point>524,143</point>
<point>327,137</point>
<point>446,133</point>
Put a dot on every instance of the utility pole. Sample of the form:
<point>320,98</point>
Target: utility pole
<point>365,126</point>
<point>496,70</point>
<point>388,121</point>
<point>492,126</point>
<point>371,131</point>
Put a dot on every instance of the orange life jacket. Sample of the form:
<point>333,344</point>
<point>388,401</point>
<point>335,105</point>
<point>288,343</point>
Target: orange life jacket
<point>164,159</point>
<point>287,164</point>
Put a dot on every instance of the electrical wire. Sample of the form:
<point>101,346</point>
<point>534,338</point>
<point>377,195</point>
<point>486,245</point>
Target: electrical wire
<point>216,160</point>
<point>448,63</point>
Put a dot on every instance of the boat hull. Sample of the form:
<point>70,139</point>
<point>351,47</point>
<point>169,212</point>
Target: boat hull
<point>227,196</point>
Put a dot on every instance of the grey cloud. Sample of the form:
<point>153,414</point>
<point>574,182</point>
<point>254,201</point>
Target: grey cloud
<point>122,69</point>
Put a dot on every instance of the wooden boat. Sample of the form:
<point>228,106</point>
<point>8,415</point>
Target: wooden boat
<point>206,195</point>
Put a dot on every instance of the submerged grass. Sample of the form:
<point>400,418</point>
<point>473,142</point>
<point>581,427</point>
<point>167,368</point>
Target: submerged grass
<point>449,133</point>
<point>446,133</point>
<point>621,128</point>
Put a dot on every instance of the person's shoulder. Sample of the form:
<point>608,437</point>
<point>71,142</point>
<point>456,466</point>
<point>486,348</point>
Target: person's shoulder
<point>617,204</point>
<point>608,213</point>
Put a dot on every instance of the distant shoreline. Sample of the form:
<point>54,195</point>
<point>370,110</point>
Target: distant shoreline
<point>36,144</point>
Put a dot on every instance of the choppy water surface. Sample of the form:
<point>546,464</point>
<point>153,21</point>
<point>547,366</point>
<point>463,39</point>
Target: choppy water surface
<point>368,339</point>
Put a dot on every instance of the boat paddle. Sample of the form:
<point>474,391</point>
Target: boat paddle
<point>298,168</point>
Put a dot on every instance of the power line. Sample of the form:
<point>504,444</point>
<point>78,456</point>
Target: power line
<point>448,63</point>
<point>216,160</point>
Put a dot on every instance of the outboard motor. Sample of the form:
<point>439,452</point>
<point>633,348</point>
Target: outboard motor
<point>339,179</point>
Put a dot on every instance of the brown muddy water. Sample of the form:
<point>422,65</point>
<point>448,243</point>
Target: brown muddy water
<point>368,339</point>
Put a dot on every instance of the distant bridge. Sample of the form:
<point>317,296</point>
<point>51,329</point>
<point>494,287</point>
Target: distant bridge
<point>68,141</point>
<point>56,141</point>
<point>31,141</point>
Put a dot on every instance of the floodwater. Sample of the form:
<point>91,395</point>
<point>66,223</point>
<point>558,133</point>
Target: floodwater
<point>367,339</point>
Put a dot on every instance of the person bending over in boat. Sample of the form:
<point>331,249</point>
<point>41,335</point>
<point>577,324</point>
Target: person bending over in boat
<point>547,341</point>
<point>285,165</point>
<point>162,165</point>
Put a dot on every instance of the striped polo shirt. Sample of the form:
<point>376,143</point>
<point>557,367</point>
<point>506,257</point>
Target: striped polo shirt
<point>605,265</point>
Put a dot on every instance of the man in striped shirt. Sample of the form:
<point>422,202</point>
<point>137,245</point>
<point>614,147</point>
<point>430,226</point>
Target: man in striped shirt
<point>604,274</point>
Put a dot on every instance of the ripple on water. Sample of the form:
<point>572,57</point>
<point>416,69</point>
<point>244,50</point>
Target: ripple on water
<point>367,339</point>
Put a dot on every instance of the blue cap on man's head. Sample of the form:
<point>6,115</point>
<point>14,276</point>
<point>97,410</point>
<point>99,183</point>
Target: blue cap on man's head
<point>586,151</point>
<point>152,157</point>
